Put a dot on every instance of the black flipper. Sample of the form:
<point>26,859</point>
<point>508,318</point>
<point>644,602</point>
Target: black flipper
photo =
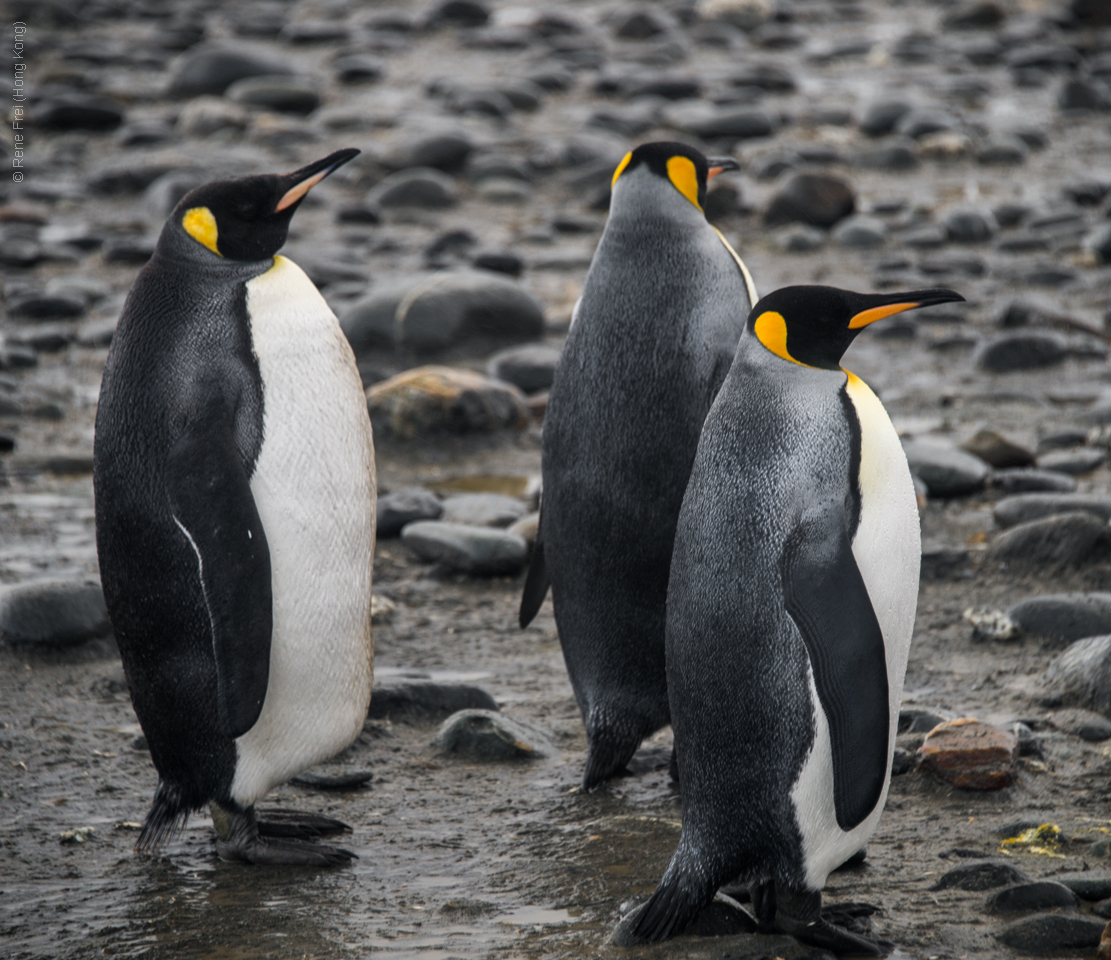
<point>536,584</point>
<point>210,496</point>
<point>607,755</point>
<point>826,597</point>
<point>165,819</point>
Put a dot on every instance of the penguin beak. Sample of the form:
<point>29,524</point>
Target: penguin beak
<point>885,305</point>
<point>718,165</point>
<point>303,180</point>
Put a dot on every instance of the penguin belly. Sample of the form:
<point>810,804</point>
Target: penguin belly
<point>887,549</point>
<point>314,486</point>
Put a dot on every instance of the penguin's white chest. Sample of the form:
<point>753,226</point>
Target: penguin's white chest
<point>315,490</point>
<point>888,550</point>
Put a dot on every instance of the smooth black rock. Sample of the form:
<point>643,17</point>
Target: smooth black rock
<point>1075,462</point>
<point>1037,895</point>
<point>1064,539</point>
<point>1081,93</point>
<point>975,15</point>
<point>1025,507</point>
<point>400,507</point>
<point>982,875</point>
<point>1030,480</point>
<point>1085,724</point>
<point>457,13</point>
<point>358,68</point>
<point>54,613</point>
<point>942,562</point>
<point>1064,616</point>
<point>214,68</point>
<point>1047,932</point>
<point>281,92</point>
<point>819,199</point>
<point>500,261</point>
<point>768,75</point>
<point>969,224</point>
<point>913,720</point>
<point>447,152</point>
<point>132,173</point>
<point>78,112</point>
<point>921,121</point>
<point>1030,350</point>
<point>1089,885</point>
<point>530,367</point>
<point>421,701</point>
<point>343,781</point>
<point>47,307</point>
<point>946,470</point>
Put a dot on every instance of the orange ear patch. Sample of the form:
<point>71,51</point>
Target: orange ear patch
<point>621,168</point>
<point>681,172</point>
<point>200,224</point>
<point>771,330</point>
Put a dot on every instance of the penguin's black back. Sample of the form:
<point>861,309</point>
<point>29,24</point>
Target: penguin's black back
<point>182,350</point>
<point>662,309</point>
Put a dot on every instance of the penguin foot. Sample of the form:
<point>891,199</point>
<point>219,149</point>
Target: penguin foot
<point>241,837</point>
<point>799,913</point>
<point>762,896</point>
<point>299,824</point>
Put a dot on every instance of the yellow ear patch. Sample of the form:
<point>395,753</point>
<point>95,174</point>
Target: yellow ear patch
<point>681,172</point>
<point>866,317</point>
<point>200,224</point>
<point>771,330</point>
<point>621,168</point>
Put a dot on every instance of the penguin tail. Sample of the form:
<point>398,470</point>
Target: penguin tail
<point>676,904</point>
<point>165,819</point>
<point>536,585</point>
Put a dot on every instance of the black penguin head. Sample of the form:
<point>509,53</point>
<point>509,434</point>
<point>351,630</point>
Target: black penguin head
<point>685,168</point>
<point>248,218</point>
<point>813,326</point>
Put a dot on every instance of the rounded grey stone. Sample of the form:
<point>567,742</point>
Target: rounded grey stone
<point>531,367</point>
<point>981,875</point>
<point>1024,507</point>
<point>971,224</point>
<point>1047,932</point>
<point>400,507</point>
<point>1029,350</point>
<point>1064,616</point>
<point>482,551</point>
<point>1037,895</point>
<point>920,122</point>
<point>425,700</point>
<point>53,613</point>
<point>799,238</point>
<point>946,470</point>
<point>281,92</point>
<point>1098,241</point>
<point>447,152</point>
<point>881,116</point>
<point>483,509</point>
<point>1085,724</point>
<point>860,232</point>
<point>214,68</point>
<point>1082,674</point>
<point>1029,480</point>
<point>1064,539</point>
<point>820,199</point>
<point>1078,461</point>
<point>414,187</point>
<point>488,735</point>
<point>429,313</point>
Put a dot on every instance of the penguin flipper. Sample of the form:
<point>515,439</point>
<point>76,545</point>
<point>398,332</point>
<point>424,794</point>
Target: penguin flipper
<point>210,496</point>
<point>536,585</point>
<point>676,904</point>
<point>828,600</point>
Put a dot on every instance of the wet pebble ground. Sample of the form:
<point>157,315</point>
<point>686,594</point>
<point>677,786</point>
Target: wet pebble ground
<point>882,146</point>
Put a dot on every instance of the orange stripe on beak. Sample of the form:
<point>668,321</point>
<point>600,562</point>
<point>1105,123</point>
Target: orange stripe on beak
<point>866,317</point>
<point>297,192</point>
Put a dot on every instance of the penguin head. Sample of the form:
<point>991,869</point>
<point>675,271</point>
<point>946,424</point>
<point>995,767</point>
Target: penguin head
<point>248,218</point>
<point>813,326</point>
<point>684,168</point>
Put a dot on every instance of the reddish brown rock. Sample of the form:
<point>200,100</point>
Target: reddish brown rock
<point>1104,951</point>
<point>970,754</point>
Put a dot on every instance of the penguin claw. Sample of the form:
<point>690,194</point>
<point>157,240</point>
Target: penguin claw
<point>277,841</point>
<point>821,933</point>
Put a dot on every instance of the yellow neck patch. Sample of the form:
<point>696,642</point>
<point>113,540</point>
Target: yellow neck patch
<point>681,172</point>
<point>200,224</point>
<point>771,330</point>
<point>621,169</point>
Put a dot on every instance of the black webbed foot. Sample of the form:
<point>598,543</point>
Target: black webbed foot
<point>799,913</point>
<point>240,837</point>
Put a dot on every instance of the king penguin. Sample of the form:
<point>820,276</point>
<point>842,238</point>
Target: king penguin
<point>234,476</point>
<point>651,339</point>
<point>790,609</point>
